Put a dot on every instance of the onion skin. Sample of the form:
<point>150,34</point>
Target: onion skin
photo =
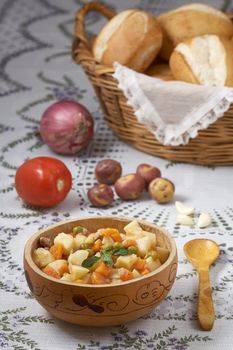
<point>66,127</point>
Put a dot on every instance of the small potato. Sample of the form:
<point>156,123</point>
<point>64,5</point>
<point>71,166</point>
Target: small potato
<point>148,173</point>
<point>130,186</point>
<point>100,195</point>
<point>107,171</point>
<point>162,190</point>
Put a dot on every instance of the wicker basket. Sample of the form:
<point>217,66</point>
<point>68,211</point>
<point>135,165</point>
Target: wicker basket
<point>213,146</point>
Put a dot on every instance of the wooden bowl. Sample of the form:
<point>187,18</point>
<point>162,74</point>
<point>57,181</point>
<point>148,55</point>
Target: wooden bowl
<point>100,305</point>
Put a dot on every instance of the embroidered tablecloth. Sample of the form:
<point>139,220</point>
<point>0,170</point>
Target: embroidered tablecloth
<point>36,70</point>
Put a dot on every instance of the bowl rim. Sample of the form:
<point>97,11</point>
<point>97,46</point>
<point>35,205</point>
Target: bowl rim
<point>28,256</point>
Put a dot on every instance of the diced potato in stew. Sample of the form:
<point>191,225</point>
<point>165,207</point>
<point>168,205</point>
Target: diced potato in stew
<point>103,257</point>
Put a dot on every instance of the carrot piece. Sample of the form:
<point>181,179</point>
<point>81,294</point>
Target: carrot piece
<point>51,272</point>
<point>113,233</point>
<point>97,245</point>
<point>129,242</point>
<point>116,236</point>
<point>104,269</point>
<point>63,269</point>
<point>108,231</point>
<point>125,275</point>
<point>140,264</point>
<point>57,251</point>
<point>145,272</point>
<point>98,278</point>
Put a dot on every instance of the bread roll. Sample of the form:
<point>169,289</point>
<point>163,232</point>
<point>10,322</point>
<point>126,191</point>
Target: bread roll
<point>205,60</point>
<point>132,38</point>
<point>189,21</point>
<point>160,71</point>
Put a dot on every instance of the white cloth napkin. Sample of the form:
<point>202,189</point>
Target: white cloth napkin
<point>173,111</point>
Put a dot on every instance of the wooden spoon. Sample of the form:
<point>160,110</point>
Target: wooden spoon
<point>202,253</point>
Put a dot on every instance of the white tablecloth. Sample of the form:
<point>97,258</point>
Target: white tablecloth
<point>36,70</point>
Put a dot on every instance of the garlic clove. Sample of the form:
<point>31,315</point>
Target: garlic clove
<point>182,209</point>
<point>185,220</point>
<point>204,220</point>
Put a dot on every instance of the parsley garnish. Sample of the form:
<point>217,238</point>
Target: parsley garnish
<point>89,262</point>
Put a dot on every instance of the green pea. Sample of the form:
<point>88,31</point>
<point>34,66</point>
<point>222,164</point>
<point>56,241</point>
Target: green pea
<point>77,229</point>
<point>118,245</point>
<point>84,246</point>
<point>133,250</point>
<point>107,246</point>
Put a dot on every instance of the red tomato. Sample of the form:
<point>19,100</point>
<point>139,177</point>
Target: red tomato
<point>43,181</point>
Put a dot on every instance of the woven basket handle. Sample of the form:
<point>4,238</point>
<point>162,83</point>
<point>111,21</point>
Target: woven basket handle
<point>80,19</point>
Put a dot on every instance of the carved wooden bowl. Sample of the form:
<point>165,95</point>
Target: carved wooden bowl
<point>100,305</point>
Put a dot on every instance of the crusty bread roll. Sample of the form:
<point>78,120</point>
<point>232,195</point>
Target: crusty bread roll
<point>205,60</point>
<point>160,71</point>
<point>132,38</point>
<point>189,21</point>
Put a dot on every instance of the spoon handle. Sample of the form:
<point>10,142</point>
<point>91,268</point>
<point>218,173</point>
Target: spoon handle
<point>205,308</point>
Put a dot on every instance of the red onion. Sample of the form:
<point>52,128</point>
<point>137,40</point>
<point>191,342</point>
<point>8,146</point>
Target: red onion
<point>66,127</point>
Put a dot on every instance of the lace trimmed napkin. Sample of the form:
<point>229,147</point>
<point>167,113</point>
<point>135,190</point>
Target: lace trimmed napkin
<point>173,111</point>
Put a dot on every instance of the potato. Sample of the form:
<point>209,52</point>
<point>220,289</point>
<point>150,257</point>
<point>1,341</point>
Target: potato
<point>78,257</point>
<point>100,195</point>
<point>162,190</point>
<point>130,186</point>
<point>148,172</point>
<point>144,245</point>
<point>108,241</point>
<point>152,264</point>
<point>136,274</point>
<point>42,257</point>
<point>132,228</point>
<point>66,240</point>
<point>163,254</point>
<point>79,239</point>
<point>126,261</point>
<point>58,265</point>
<point>149,234</point>
<point>66,277</point>
<point>77,271</point>
<point>107,171</point>
<point>90,239</point>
